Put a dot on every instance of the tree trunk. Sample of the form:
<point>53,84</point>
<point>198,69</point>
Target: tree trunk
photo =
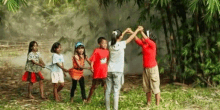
<point>173,43</point>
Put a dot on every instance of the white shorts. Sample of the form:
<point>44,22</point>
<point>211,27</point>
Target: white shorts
<point>57,77</point>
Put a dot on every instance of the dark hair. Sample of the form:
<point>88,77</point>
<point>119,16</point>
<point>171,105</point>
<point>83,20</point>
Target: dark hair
<point>31,44</point>
<point>115,35</point>
<point>151,36</point>
<point>100,39</point>
<point>80,46</point>
<point>54,47</point>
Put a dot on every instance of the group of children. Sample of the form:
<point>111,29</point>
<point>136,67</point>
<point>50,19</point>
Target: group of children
<point>106,64</point>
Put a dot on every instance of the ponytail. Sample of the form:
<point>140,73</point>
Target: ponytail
<point>113,41</point>
<point>115,35</point>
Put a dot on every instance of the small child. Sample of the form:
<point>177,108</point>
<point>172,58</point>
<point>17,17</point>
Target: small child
<point>57,69</point>
<point>99,66</point>
<point>33,67</point>
<point>77,71</point>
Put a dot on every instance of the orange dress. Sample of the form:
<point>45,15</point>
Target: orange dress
<point>75,72</point>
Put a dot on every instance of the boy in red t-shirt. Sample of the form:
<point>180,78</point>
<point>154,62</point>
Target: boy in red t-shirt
<point>99,66</point>
<point>151,77</point>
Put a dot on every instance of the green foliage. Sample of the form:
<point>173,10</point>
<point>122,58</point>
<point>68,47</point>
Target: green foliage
<point>191,28</point>
<point>13,5</point>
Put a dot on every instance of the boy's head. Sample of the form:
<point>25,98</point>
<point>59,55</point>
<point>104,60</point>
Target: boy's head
<point>102,42</point>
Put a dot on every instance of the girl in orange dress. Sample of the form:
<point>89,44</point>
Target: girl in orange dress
<point>77,71</point>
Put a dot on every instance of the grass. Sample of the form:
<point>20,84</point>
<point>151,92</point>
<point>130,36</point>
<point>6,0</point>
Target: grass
<point>173,97</point>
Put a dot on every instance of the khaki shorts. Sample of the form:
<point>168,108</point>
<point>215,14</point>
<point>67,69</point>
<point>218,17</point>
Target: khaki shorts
<point>151,80</point>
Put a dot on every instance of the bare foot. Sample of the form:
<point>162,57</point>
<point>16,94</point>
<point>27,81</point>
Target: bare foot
<point>59,97</point>
<point>87,101</point>
<point>31,97</point>
<point>71,99</point>
<point>42,97</point>
<point>84,101</point>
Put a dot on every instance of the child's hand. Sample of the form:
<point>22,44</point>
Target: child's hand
<point>130,31</point>
<point>65,70</point>
<point>140,28</point>
<point>41,65</point>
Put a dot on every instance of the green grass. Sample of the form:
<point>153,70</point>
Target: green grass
<point>9,54</point>
<point>173,98</point>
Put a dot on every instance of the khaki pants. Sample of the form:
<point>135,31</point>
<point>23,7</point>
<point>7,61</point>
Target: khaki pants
<point>151,80</point>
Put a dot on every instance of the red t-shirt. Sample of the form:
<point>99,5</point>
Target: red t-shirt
<point>100,57</point>
<point>149,52</point>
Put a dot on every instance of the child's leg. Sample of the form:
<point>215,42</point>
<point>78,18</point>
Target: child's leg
<point>116,87</point>
<point>82,86</point>
<point>148,98</point>
<point>74,84</point>
<point>92,89</point>
<point>61,80</point>
<point>55,91</point>
<point>103,84</point>
<point>60,87</point>
<point>29,90</point>
<point>41,89</point>
<point>157,96</point>
<point>108,90</point>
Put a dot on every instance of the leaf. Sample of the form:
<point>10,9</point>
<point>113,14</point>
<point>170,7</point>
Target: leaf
<point>193,5</point>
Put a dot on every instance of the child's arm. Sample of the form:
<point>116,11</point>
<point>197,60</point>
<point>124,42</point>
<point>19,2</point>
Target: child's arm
<point>133,34</point>
<point>124,32</point>
<point>144,35</point>
<point>93,59</point>
<point>41,62</point>
<point>62,67</point>
<point>147,40</point>
<point>36,63</point>
<point>92,69</point>
<point>65,70</point>
<point>77,62</point>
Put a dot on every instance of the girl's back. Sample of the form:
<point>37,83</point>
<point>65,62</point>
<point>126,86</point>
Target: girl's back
<point>116,61</point>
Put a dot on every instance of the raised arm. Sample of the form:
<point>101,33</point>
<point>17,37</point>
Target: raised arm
<point>124,32</point>
<point>144,35</point>
<point>147,40</point>
<point>132,35</point>
<point>137,40</point>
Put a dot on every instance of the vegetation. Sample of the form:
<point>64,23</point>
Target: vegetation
<point>192,32</point>
<point>173,97</point>
<point>191,29</point>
